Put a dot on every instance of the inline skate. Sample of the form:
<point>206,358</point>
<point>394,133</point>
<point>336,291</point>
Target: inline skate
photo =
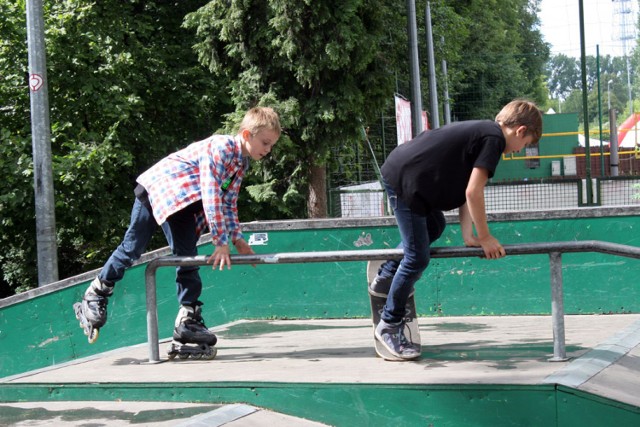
<point>191,338</point>
<point>92,310</point>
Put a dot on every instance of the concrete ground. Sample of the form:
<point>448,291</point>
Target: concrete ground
<point>604,354</point>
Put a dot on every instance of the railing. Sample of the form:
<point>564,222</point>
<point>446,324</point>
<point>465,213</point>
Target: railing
<point>554,249</point>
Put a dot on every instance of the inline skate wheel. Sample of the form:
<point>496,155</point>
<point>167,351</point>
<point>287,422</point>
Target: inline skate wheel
<point>211,355</point>
<point>172,352</point>
<point>93,336</point>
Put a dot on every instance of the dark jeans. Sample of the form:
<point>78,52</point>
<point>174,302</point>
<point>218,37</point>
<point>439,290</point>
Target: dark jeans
<point>417,233</point>
<point>180,231</point>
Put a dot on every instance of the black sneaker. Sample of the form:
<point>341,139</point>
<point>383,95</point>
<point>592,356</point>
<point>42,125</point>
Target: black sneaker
<point>380,286</point>
<point>391,335</point>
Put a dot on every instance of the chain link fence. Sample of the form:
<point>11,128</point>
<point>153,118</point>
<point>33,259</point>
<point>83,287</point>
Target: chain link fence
<point>524,196</point>
<point>355,189</point>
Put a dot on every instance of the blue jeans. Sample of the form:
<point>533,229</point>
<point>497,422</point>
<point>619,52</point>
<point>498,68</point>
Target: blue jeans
<point>417,232</point>
<point>180,231</point>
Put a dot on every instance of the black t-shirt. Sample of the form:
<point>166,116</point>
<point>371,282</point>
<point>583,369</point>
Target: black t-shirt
<point>432,170</point>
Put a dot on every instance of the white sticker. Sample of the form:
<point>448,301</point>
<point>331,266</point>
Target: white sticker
<point>258,239</point>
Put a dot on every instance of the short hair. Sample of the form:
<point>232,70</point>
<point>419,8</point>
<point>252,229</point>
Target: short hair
<point>521,112</point>
<point>259,118</point>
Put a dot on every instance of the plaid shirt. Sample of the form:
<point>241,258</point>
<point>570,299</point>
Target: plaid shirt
<point>200,171</point>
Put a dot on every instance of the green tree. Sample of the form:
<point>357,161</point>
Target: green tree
<point>328,66</point>
<point>502,56</point>
<point>494,52</point>
<point>564,80</point>
<point>563,76</point>
<point>125,89</point>
<point>16,168</point>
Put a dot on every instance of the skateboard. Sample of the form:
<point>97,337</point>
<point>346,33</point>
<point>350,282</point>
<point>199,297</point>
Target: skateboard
<point>411,328</point>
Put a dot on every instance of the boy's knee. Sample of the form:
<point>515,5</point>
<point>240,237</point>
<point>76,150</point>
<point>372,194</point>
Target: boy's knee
<point>436,224</point>
<point>416,266</point>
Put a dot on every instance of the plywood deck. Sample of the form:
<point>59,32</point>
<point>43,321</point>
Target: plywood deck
<point>604,356</point>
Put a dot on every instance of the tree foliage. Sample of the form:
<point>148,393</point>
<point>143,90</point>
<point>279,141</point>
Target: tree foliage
<point>125,89</point>
<point>130,82</point>
<point>564,80</point>
<point>328,66</point>
<point>500,56</point>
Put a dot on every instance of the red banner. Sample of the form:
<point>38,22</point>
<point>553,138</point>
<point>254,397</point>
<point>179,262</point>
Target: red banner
<point>403,120</point>
<point>425,121</point>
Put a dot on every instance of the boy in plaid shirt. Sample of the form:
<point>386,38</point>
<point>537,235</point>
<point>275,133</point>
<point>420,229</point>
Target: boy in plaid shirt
<point>186,191</point>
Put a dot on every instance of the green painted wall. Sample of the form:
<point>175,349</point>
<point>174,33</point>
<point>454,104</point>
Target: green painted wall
<point>452,405</point>
<point>42,331</point>
<point>509,170</point>
<point>576,408</point>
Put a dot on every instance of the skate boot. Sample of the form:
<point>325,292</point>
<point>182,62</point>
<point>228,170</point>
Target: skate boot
<point>191,338</point>
<point>391,335</point>
<point>92,310</point>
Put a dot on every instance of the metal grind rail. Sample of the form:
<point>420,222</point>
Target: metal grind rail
<point>554,249</point>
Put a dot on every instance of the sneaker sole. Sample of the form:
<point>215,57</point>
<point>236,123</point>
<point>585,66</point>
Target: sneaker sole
<point>394,356</point>
<point>377,294</point>
<point>381,295</point>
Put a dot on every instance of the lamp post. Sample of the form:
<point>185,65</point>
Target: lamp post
<point>609,94</point>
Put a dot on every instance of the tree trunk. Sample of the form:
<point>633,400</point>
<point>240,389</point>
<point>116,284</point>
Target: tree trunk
<point>317,201</point>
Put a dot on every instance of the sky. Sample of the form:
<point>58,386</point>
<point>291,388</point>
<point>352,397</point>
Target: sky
<point>560,26</point>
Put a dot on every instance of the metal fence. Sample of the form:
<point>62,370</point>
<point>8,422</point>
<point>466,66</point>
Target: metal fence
<point>368,200</point>
<point>618,191</point>
<point>534,195</point>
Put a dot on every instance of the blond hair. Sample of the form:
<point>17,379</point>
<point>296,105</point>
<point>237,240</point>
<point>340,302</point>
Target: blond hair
<point>521,112</point>
<point>259,118</point>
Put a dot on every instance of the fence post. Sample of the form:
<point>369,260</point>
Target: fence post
<point>613,144</point>
<point>152,312</point>
<point>557,308</point>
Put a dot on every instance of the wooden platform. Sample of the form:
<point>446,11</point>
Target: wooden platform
<point>604,352</point>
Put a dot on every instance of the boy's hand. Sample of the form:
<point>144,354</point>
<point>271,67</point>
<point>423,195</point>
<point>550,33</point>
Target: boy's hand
<point>243,248</point>
<point>220,257</point>
<point>471,241</point>
<point>492,248</point>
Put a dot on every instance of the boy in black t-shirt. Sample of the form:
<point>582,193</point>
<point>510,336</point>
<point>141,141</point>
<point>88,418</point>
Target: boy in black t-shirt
<point>438,170</point>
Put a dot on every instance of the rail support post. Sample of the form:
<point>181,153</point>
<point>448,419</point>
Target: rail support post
<point>152,313</point>
<point>557,308</point>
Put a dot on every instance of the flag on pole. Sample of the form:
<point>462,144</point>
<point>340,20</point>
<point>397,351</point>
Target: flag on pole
<point>403,120</point>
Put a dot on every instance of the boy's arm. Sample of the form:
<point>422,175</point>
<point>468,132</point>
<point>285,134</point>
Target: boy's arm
<point>230,209</point>
<point>466,225</point>
<point>214,163</point>
<point>231,228</point>
<point>476,211</point>
<point>229,206</point>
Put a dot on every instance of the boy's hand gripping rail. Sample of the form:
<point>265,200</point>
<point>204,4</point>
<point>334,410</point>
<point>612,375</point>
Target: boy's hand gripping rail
<point>554,249</point>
